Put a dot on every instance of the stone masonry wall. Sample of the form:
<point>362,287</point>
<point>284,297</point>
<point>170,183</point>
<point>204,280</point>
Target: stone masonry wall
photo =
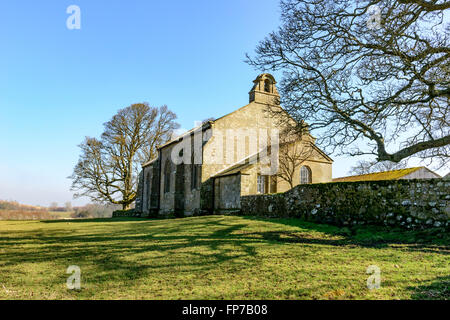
<point>411,204</point>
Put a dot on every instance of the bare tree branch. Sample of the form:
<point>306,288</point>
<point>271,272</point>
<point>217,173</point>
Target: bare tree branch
<point>294,150</point>
<point>382,90</point>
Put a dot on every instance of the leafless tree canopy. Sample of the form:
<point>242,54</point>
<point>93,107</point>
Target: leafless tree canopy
<point>293,152</point>
<point>365,167</point>
<point>108,167</point>
<point>372,76</point>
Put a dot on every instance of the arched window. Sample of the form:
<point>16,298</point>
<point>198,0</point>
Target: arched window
<point>148,183</point>
<point>261,184</point>
<point>195,170</point>
<point>267,84</point>
<point>167,173</point>
<point>305,175</point>
<point>148,190</point>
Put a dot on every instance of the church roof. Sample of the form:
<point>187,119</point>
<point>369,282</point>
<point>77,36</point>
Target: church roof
<point>146,164</point>
<point>180,137</point>
<point>238,166</point>
<point>264,76</point>
<point>384,175</point>
<point>207,124</point>
<point>185,134</point>
<point>253,159</point>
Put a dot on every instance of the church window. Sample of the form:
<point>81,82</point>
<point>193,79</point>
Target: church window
<point>148,182</point>
<point>195,170</point>
<point>261,184</point>
<point>167,177</point>
<point>305,175</point>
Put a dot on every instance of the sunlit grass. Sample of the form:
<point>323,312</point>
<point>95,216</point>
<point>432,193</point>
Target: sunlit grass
<point>218,257</point>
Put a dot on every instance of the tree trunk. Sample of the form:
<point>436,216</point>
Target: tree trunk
<point>125,206</point>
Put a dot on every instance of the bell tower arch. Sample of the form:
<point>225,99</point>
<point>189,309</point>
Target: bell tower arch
<point>264,90</point>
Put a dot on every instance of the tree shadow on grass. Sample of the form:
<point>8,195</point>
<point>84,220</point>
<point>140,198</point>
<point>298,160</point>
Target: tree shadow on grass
<point>432,240</point>
<point>133,251</point>
<point>87,220</point>
<point>438,289</point>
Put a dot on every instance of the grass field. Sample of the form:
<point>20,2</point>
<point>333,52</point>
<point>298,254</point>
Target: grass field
<point>218,257</point>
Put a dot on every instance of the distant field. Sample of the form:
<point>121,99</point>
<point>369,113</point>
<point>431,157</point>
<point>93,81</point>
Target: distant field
<point>32,215</point>
<point>218,257</point>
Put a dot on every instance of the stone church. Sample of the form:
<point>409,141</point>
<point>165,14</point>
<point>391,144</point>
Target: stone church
<point>209,168</point>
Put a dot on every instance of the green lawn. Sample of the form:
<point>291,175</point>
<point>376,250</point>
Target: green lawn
<point>218,257</point>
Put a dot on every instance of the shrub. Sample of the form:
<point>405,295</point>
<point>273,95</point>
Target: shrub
<point>124,213</point>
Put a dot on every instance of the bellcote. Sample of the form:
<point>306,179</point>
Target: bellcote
<point>264,90</point>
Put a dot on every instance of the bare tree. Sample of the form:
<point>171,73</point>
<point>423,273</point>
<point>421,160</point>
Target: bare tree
<point>294,150</point>
<point>162,125</point>
<point>365,167</point>
<point>372,75</point>
<point>108,167</point>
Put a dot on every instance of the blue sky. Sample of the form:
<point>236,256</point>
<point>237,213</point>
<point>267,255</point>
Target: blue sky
<point>59,85</point>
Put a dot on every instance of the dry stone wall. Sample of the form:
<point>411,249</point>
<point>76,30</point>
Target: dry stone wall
<point>411,204</point>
